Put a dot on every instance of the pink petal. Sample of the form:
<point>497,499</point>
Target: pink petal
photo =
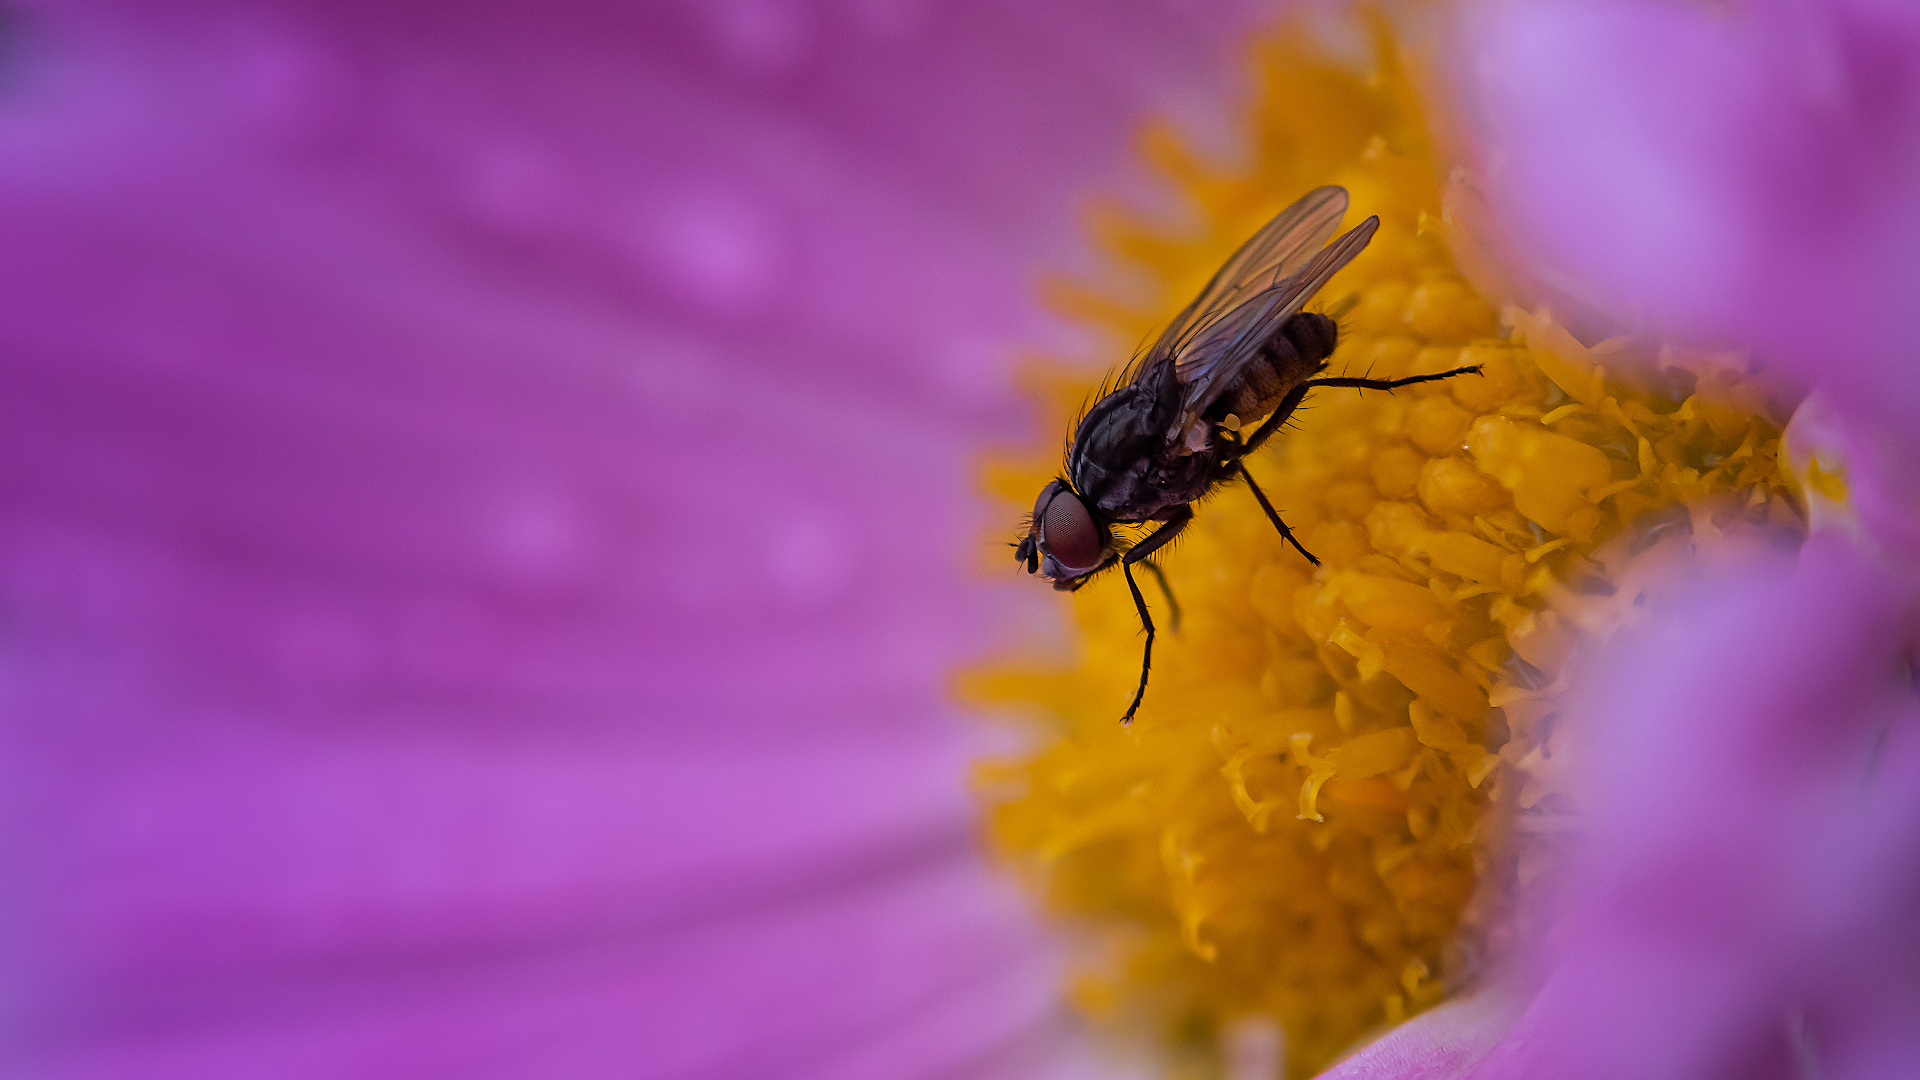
<point>485,503</point>
<point>1753,856</point>
<point>1440,1044</point>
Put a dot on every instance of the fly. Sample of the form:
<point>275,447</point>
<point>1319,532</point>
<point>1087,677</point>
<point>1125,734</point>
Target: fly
<point>1170,433</point>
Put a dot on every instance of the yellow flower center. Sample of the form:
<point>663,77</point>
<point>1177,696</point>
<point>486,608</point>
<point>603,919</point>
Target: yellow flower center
<point>1297,823</point>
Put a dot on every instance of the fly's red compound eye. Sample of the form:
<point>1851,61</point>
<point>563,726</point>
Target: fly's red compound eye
<point>1068,533</point>
<point>1054,487</point>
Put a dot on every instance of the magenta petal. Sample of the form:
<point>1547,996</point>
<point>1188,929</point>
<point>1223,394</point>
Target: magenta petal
<point>1741,903</point>
<point>1442,1043</point>
<point>1749,175</point>
<point>1745,893</point>
<point>485,505</point>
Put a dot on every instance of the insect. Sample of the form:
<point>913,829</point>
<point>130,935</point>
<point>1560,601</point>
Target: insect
<point>1171,432</point>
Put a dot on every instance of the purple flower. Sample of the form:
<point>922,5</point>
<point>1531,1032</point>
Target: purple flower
<point>1742,901</point>
<point>486,525</point>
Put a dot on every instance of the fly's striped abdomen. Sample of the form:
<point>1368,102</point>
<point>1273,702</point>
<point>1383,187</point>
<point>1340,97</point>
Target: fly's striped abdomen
<point>1288,358</point>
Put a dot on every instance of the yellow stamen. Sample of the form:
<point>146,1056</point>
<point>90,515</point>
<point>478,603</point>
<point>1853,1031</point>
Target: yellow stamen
<point>1289,829</point>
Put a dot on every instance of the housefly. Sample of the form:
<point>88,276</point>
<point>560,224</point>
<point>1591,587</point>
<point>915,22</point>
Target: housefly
<point>1171,432</point>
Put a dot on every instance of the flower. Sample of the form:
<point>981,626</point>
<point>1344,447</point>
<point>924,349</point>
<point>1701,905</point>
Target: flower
<point>485,525</point>
<point>1299,828</point>
<point>1742,905</point>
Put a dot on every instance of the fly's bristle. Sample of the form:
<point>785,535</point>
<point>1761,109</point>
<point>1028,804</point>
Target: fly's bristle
<point>1341,307</point>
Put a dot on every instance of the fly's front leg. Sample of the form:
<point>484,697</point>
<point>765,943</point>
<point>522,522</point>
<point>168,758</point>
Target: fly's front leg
<point>1167,531</point>
<point>1166,590</point>
<point>1390,384</point>
<point>1274,516</point>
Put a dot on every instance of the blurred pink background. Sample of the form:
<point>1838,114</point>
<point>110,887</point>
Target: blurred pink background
<point>485,517</point>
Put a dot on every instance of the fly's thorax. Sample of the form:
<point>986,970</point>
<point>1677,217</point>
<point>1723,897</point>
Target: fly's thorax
<point>1183,479</point>
<point>1115,441</point>
<point>1155,484</point>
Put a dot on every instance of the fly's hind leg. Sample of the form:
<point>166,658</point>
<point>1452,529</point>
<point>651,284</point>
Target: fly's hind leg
<point>1167,531</point>
<point>1294,396</point>
<point>1390,384</point>
<point>1235,462</point>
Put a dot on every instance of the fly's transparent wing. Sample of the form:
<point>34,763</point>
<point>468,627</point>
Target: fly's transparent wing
<point>1220,349</point>
<point>1276,252</point>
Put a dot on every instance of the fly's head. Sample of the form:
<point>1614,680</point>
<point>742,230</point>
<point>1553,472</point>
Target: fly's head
<point>1065,543</point>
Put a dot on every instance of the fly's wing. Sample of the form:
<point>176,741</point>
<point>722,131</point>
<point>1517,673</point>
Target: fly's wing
<point>1222,348</point>
<point>1276,252</point>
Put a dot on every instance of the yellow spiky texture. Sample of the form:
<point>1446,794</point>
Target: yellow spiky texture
<point>1297,822</point>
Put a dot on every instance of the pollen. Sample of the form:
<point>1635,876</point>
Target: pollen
<point>1299,829</point>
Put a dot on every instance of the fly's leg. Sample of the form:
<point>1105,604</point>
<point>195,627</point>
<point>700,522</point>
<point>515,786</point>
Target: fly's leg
<point>1274,422</point>
<point>1235,464</point>
<point>1165,590</point>
<point>1167,531</point>
<point>1294,396</point>
<point>1146,658</point>
<point>1239,450</point>
<point>1274,516</point>
<point>1391,384</point>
